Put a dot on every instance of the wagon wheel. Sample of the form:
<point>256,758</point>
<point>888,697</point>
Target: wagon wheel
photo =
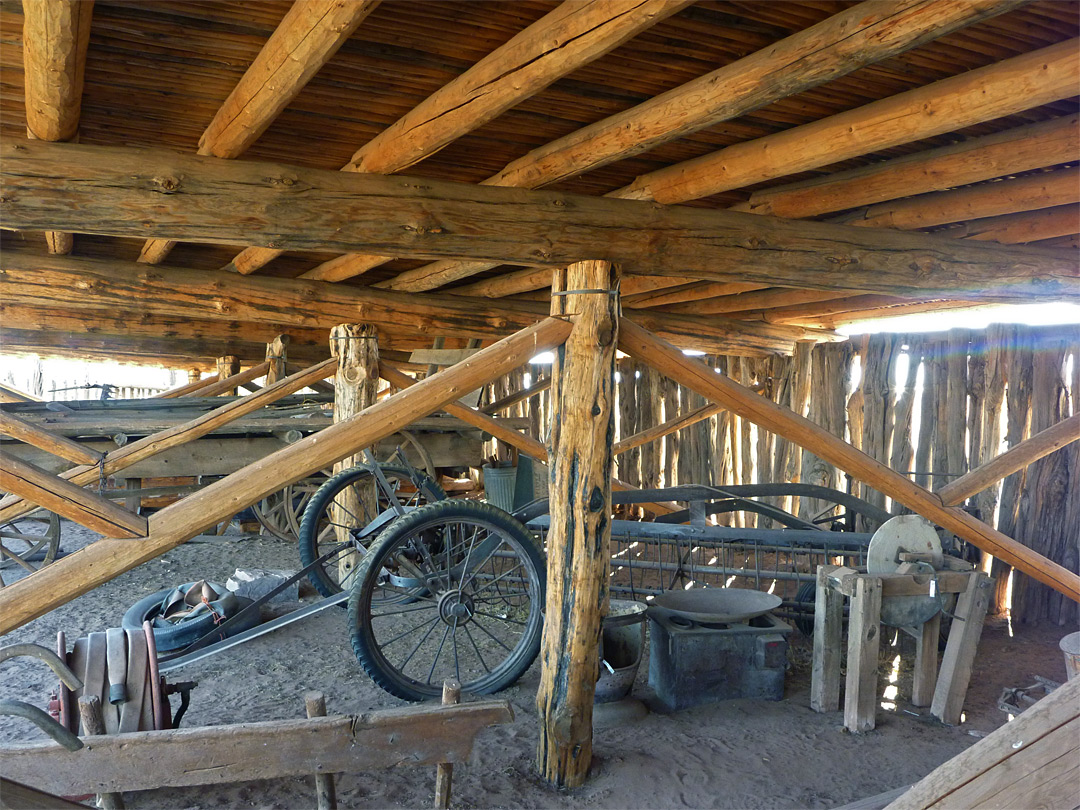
<point>416,455</point>
<point>281,512</point>
<point>30,541</point>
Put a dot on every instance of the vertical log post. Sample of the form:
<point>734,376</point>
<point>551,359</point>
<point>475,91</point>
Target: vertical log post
<point>325,793</point>
<point>444,771</point>
<point>356,382</point>
<point>194,375</point>
<point>277,355</point>
<point>93,723</point>
<point>864,641</point>
<point>227,366</point>
<point>582,433</point>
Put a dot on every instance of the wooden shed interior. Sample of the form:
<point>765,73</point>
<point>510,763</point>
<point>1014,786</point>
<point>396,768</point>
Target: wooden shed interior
<point>682,200</point>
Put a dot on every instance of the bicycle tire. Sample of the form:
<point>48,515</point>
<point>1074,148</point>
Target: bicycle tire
<point>312,541</point>
<point>500,584</point>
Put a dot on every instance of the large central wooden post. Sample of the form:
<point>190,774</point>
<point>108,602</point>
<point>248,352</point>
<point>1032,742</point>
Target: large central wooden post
<point>580,458</point>
<point>356,348</point>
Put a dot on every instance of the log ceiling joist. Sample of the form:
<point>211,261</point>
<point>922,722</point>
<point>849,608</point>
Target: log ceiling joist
<point>572,35</point>
<point>970,98</point>
<point>137,291</point>
<point>119,191</point>
<point>311,32</point>
<point>55,39</point>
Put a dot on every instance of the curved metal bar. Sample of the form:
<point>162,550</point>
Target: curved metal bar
<point>63,672</point>
<point>42,720</point>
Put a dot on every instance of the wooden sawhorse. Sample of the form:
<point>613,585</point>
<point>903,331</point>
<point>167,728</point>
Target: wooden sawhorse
<point>944,692</point>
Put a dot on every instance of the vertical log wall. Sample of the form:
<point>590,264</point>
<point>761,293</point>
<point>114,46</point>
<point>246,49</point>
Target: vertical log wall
<point>935,405</point>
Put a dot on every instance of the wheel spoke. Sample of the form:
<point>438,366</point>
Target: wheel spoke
<point>438,652</point>
<point>400,636</point>
<point>404,663</point>
<point>483,663</point>
<point>493,638</point>
<point>499,618</point>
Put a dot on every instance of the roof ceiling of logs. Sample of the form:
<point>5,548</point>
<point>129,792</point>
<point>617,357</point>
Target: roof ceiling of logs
<point>157,72</point>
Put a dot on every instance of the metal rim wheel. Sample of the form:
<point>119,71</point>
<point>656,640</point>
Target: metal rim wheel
<point>37,533</point>
<point>478,617</point>
<point>335,517</point>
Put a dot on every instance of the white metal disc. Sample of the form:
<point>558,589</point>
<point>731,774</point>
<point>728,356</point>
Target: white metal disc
<point>913,534</point>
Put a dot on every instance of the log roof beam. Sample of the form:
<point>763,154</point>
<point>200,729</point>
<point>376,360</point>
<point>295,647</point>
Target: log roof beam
<point>55,37</point>
<point>1014,229</point>
<point>310,33</point>
<point>834,47</point>
<point>117,191</point>
<point>130,290</point>
<point>974,160</point>
<point>570,36</point>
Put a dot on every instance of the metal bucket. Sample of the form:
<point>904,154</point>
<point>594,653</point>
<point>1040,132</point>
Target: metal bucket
<point>1070,645</point>
<point>499,483</point>
<point>622,642</point>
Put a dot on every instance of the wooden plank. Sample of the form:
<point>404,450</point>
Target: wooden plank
<point>569,37</point>
<point>309,34</point>
<point>951,104</point>
<point>100,189</point>
<point>924,677</point>
<point>828,627</point>
<point>140,450</point>
<point>99,562</point>
<point>62,446</point>
<point>998,198</point>
<point>130,289</point>
<point>215,755</point>
<point>1012,460</point>
<point>864,641</point>
<point>67,499</point>
<point>844,42</point>
<point>665,428</point>
<point>696,375</point>
<point>188,389</point>
<point>55,36</point>
<point>959,655</point>
<point>9,394</point>
<point>982,761</point>
<point>583,396</point>
<point>16,795</point>
<point>440,357</point>
<point>971,161</point>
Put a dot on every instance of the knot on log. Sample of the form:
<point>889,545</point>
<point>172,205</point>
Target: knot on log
<point>596,500</point>
<point>167,184</point>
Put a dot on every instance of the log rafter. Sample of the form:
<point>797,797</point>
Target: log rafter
<point>105,190</point>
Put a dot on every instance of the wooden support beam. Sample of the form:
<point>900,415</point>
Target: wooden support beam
<point>971,161</point>
<point>570,36</point>
<point>67,499</point>
<point>309,34</point>
<point>1029,226</point>
<point>1003,88</point>
<point>150,760</point>
<point>959,655</point>
<point>55,36</point>
<point>864,641</point>
<point>226,386</point>
<point>277,358</point>
<point>755,299</point>
<point>582,393</point>
<point>72,284</point>
<point>519,396</point>
<point>103,190</point>
<point>130,454</point>
<point>666,428</point>
<point>189,389</point>
<point>834,47</point>
<point>694,291</point>
<point>62,446</point>
<point>1031,192</point>
<point>1012,460</point>
<point>87,568</point>
<point>9,394</point>
<point>767,414</point>
<point>228,366</point>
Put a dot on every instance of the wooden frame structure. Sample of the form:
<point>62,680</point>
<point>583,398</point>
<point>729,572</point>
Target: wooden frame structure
<point>818,120</point>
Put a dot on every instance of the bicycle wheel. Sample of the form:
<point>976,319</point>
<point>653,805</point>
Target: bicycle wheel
<point>454,589</point>
<point>338,513</point>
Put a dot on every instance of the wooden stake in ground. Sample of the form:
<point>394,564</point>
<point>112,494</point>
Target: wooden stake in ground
<point>325,793</point>
<point>582,425</point>
<point>356,347</point>
<point>94,724</point>
<point>444,771</point>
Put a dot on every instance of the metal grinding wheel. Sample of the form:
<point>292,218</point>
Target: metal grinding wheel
<point>906,534</point>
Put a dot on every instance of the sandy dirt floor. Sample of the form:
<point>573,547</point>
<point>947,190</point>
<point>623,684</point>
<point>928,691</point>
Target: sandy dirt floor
<point>733,754</point>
